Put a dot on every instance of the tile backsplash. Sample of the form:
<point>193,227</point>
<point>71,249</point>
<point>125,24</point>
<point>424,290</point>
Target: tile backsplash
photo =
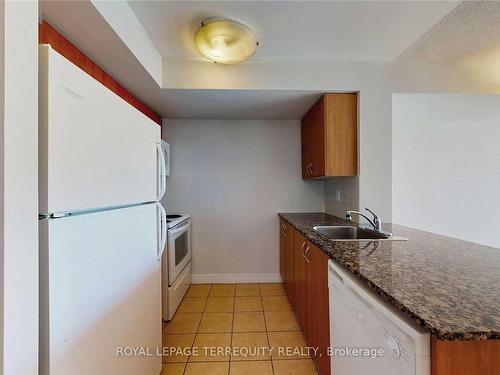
<point>341,194</point>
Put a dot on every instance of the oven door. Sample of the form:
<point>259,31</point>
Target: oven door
<point>179,249</point>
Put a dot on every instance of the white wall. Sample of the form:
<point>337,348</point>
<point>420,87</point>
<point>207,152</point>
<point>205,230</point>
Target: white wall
<point>375,81</point>
<point>446,164</point>
<point>19,187</point>
<point>233,177</point>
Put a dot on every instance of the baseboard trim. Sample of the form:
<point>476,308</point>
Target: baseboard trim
<point>205,278</point>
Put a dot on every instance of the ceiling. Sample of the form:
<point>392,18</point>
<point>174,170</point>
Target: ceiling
<point>470,32</point>
<point>290,32</point>
<point>297,30</point>
<point>240,104</point>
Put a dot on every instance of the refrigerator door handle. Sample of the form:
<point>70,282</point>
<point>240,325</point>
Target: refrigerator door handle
<point>163,232</point>
<point>162,186</point>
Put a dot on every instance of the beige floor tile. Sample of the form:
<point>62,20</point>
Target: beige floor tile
<point>192,305</point>
<point>207,368</point>
<point>250,346</point>
<point>173,369</point>
<point>246,290</point>
<point>272,290</point>
<point>248,304</point>
<point>287,345</point>
<point>216,322</point>
<point>276,303</point>
<point>281,321</point>
<point>177,347</point>
<point>222,290</point>
<point>220,304</point>
<point>211,347</point>
<point>294,367</point>
<point>249,322</point>
<point>183,323</point>
<point>251,368</point>
<point>198,290</point>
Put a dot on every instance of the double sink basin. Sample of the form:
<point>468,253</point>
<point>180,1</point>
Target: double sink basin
<point>350,233</point>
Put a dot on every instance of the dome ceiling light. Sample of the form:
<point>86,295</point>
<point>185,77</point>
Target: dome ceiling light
<point>225,41</point>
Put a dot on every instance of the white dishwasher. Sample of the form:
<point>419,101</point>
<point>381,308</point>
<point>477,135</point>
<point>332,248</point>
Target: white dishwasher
<point>369,337</point>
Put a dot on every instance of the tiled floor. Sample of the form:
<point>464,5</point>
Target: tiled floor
<point>254,320</point>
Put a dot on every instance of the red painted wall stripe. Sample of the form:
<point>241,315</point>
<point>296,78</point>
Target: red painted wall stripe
<point>48,35</point>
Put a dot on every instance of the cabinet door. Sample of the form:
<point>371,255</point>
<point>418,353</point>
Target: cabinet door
<point>465,357</point>
<point>341,134</point>
<point>289,263</point>
<point>306,146</point>
<point>313,141</point>
<point>300,267</point>
<point>318,324</point>
<point>282,250</point>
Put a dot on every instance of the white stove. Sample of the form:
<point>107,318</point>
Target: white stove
<point>176,263</point>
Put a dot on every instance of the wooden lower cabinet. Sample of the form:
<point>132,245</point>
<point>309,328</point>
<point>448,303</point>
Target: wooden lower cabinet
<point>465,357</point>
<point>317,327</point>
<point>304,271</point>
<point>286,258</point>
<point>289,269</point>
<point>306,285</point>
<point>282,250</point>
<point>300,268</point>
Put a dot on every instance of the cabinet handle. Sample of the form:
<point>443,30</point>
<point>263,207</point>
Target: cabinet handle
<point>284,230</point>
<point>312,166</point>
<point>309,168</point>
<point>305,255</point>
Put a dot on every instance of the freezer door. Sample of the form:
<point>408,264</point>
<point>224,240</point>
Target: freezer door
<point>96,150</point>
<point>100,290</point>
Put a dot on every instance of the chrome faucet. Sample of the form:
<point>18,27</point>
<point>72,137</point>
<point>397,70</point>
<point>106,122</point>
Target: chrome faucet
<point>376,222</point>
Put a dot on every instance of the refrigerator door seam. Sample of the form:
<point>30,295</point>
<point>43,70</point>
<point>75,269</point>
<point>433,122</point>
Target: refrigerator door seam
<point>59,215</point>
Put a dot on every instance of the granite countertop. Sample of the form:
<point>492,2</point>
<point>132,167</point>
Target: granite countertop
<point>447,286</point>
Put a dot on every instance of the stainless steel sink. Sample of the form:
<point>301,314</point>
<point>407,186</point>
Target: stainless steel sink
<point>334,232</point>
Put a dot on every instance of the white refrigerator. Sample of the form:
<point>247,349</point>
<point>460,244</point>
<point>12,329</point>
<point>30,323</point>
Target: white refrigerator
<point>102,227</point>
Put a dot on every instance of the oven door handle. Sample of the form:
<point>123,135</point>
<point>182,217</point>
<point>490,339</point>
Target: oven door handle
<point>163,231</point>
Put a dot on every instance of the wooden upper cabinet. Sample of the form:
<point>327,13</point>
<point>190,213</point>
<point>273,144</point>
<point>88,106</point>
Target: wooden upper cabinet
<point>330,137</point>
<point>313,141</point>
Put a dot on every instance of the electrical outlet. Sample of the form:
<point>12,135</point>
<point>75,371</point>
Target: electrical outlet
<point>337,196</point>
